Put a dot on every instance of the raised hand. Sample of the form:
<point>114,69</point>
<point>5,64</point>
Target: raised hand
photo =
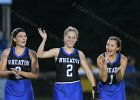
<point>42,33</point>
<point>107,58</point>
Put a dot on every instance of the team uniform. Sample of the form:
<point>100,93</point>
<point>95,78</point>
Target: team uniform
<point>18,89</point>
<point>111,89</point>
<point>67,86</point>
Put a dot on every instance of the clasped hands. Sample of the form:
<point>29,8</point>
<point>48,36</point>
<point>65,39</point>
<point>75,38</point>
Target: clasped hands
<point>16,72</point>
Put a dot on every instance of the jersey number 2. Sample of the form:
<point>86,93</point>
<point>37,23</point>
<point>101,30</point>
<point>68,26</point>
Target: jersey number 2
<point>69,70</point>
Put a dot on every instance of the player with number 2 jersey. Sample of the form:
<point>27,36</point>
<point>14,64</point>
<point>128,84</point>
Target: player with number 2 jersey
<point>68,60</point>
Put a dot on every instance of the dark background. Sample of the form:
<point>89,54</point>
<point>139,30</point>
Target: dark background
<point>57,15</point>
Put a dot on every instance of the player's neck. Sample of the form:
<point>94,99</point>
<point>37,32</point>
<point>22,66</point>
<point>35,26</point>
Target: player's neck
<point>68,50</point>
<point>113,57</point>
<point>19,50</point>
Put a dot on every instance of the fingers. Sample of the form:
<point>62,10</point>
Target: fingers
<point>106,54</point>
<point>106,61</point>
<point>16,73</point>
<point>42,33</point>
<point>41,30</point>
<point>18,76</point>
<point>93,94</point>
<point>107,58</point>
<point>14,69</point>
<point>119,68</point>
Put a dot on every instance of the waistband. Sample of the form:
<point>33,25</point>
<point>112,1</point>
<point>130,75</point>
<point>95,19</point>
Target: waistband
<point>67,82</point>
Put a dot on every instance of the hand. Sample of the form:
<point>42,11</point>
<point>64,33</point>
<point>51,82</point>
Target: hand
<point>118,69</point>
<point>15,73</point>
<point>95,93</point>
<point>43,33</point>
<point>107,58</point>
<point>103,68</point>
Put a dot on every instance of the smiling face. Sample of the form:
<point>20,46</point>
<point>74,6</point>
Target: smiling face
<point>111,47</point>
<point>70,36</point>
<point>70,39</point>
<point>20,39</point>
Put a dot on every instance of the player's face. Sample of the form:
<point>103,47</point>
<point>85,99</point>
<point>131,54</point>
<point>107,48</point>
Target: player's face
<point>21,39</point>
<point>111,47</point>
<point>70,39</point>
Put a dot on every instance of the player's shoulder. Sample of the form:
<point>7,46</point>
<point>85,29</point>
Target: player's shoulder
<point>101,56</point>
<point>6,51</point>
<point>55,49</point>
<point>123,57</point>
<point>32,52</point>
<point>80,52</point>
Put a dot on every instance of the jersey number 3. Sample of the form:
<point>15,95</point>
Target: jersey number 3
<point>69,70</point>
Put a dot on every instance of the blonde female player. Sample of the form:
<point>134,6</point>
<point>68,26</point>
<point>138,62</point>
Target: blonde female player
<point>68,60</point>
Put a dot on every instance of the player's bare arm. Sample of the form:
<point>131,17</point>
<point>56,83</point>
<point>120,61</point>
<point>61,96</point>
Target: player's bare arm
<point>121,72</point>
<point>102,65</point>
<point>86,68</point>
<point>3,69</point>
